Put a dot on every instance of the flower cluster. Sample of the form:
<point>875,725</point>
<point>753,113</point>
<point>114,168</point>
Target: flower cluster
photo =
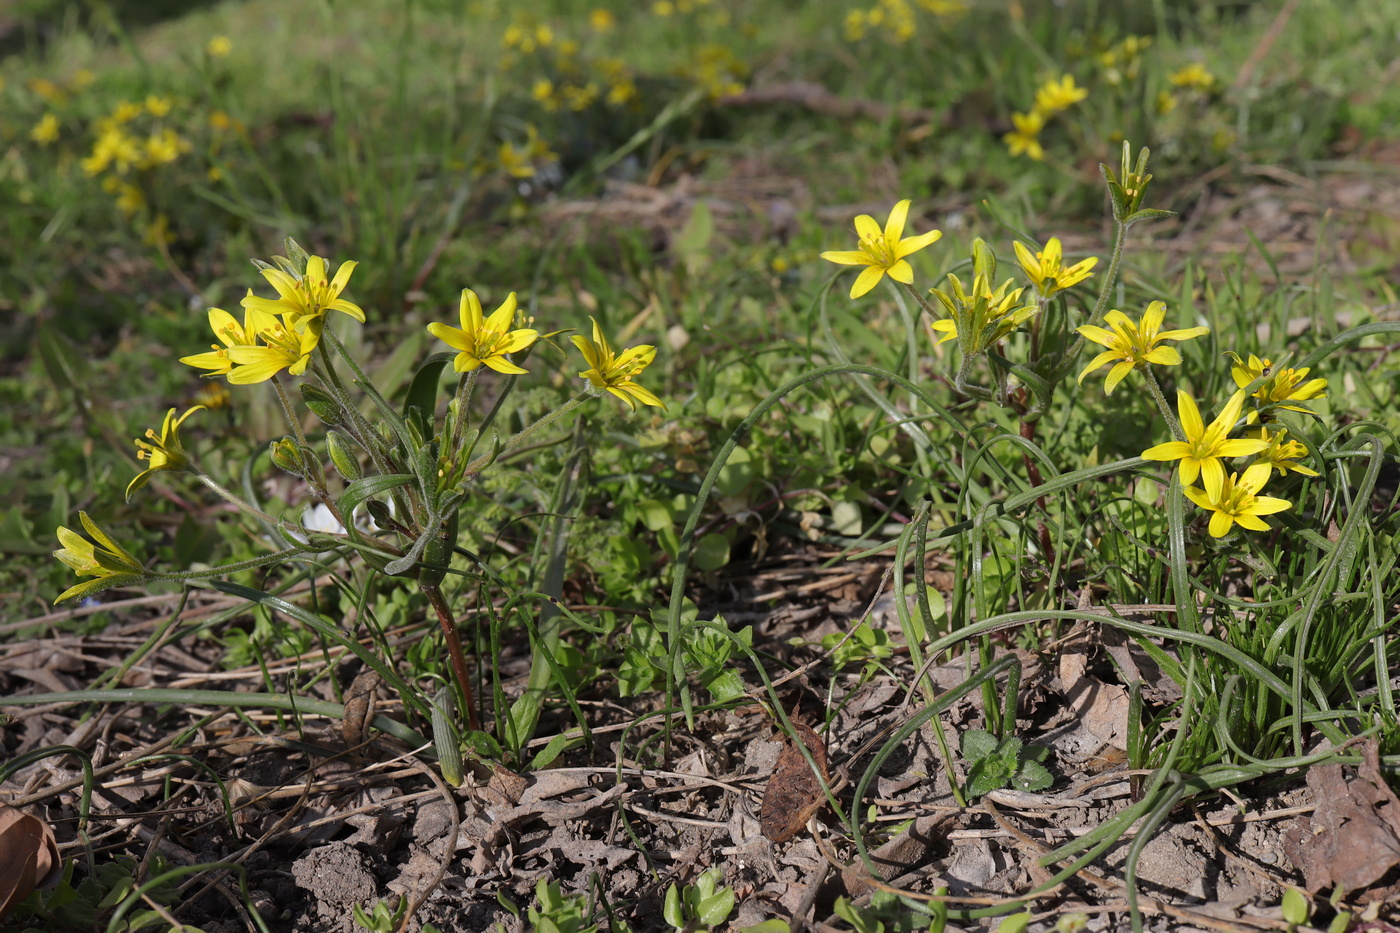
<point>896,20</point>
<point>1053,97</point>
<point>277,333</point>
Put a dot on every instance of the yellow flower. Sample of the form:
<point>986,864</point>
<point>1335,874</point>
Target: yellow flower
<point>230,334</point>
<point>615,373</point>
<point>1166,102</point>
<point>81,79</point>
<point>514,162</point>
<point>165,452</point>
<point>220,120</point>
<point>47,90</point>
<point>219,46</point>
<point>663,8</point>
<point>164,147</point>
<point>1281,454</point>
<point>1203,448</point>
<point>1054,96</point>
<point>282,349</point>
<point>601,20</point>
<point>107,560</point>
<point>130,199</point>
<point>46,130</point>
<point>1237,500</point>
<point>882,251</point>
<point>484,340</point>
<point>157,106</point>
<point>1026,138</point>
<point>1193,75</point>
<point>1134,344</point>
<point>1286,385</point>
<point>126,112</point>
<point>1046,269</point>
<point>307,298</point>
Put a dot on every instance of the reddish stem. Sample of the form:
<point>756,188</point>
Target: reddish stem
<point>454,651</point>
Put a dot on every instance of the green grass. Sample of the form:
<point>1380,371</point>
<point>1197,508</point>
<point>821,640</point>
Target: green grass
<point>384,132</point>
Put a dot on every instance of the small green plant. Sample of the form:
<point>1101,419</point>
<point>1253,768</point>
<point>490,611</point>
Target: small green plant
<point>865,645</point>
<point>703,905</point>
<point>993,764</point>
<point>89,903</point>
<point>886,913</point>
<point>556,912</point>
<point>381,919</point>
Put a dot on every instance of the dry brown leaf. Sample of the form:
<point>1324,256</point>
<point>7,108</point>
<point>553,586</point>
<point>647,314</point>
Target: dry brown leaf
<point>1352,839</point>
<point>28,856</point>
<point>793,793</point>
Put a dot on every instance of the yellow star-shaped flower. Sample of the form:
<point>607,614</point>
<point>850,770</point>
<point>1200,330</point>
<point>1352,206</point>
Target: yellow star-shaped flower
<point>1201,452</point>
<point>615,373</point>
<point>1237,501</point>
<point>165,452</point>
<point>882,251</point>
<point>1134,343</point>
<point>307,298</point>
<point>1046,269</point>
<point>484,340</point>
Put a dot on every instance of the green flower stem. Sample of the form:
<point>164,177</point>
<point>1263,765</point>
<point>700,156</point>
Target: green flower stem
<point>967,388</point>
<point>1162,406</point>
<point>1120,239</point>
<point>466,385</point>
<point>229,497</point>
<point>253,563</point>
<point>312,476</point>
<point>406,501</point>
<point>481,462</point>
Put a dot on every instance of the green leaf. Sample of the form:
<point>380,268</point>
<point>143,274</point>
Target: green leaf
<point>977,744</point>
<point>711,551</point>
<point>1033,776</point>
<point>427,381</point>
<point>671,909</point>
<point>362,489</point>
<point>1016,923</point>
<point>725,687</point>
<point>716,909</point>
<point>1295,907</point>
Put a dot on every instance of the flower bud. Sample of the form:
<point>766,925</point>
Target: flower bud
<point>286,456</point>
<point>343,456</point>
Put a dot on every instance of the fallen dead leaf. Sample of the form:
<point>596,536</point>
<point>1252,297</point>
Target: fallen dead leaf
<point>794,793</point>
<point>1352,839</point>
<point>28,856</point>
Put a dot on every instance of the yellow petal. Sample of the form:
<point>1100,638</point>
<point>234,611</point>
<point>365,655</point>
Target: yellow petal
<point>1164,356</point>
<point>916,243</point>
<point>504,316</point>
<point>1171,450</point>
<point>1220,524</point>
<point>502,365</point>
<point>342,276</point>
<point>1098,335</point>
<point>847,257</point>
<point>1191,422</point>
<point>1268,505</point>
<point>590,354</point>
<point>1212,476</point>
<point>469,312</point>
<point>1104,357</point>
<point>894,227</point>
<point>1199,497</point>
<point>902,272</point>
<point>867,228</point>
<point>868,279</point>
<point>1116,375</point>
<point>1152,317</point>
